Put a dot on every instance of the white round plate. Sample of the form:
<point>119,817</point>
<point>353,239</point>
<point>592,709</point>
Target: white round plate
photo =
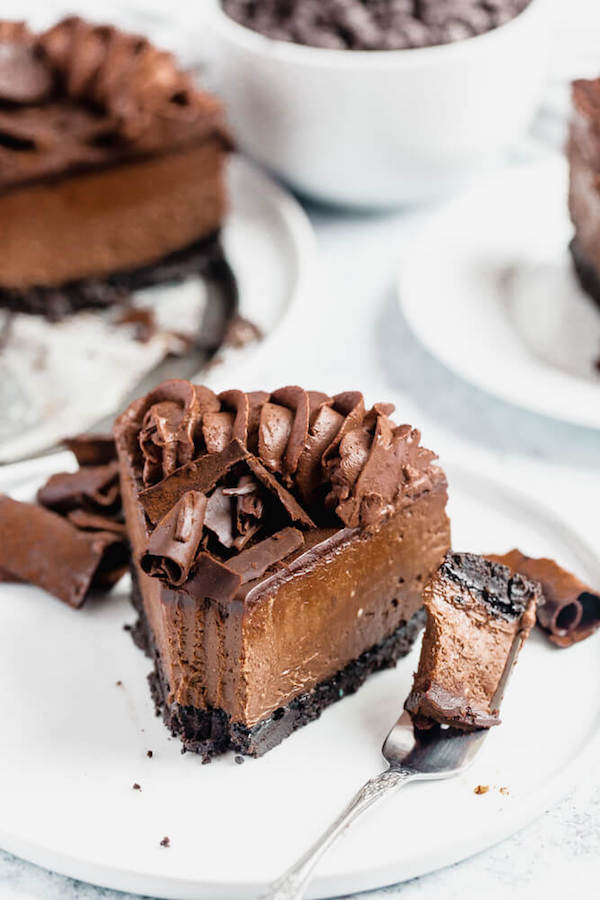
<point>74,742</point>
<point>486,283</point>
<point>48,371</point>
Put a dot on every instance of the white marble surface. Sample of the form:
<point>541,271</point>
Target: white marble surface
<point>350,330</point>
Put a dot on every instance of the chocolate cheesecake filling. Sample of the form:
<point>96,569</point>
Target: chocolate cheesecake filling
<point>276,539</point>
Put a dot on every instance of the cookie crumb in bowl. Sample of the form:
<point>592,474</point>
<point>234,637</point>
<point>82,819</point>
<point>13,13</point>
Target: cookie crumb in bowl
<point>481,789</point>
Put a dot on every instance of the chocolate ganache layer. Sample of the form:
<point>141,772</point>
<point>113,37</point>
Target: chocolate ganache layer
<point>276,538</point>
<point>110,157</point>
<point>479,613</point>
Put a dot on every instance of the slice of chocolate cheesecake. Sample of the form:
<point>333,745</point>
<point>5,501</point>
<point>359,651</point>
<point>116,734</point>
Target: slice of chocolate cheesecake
<point>583,153</point>
<point>111,167</point>
<point>478,615</point>
<point>280,544</point>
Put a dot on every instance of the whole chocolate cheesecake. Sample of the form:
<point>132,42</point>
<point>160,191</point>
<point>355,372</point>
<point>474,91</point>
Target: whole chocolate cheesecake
<point>111,167</point>
<point>280,543</point>
<point>583,152</point>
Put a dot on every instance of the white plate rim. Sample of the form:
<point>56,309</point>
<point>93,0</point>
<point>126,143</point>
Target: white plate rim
<point>581,404</point>
<point>513,818</point>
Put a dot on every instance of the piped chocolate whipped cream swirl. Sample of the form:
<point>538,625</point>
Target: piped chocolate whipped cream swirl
<point>253,465</point>
<point>81,95</point>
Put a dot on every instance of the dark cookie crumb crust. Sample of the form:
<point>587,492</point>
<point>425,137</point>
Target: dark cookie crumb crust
<point>210,732</point>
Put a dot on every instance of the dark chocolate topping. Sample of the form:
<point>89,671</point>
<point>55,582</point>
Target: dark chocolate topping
<point>266,462</point>
<point>84,95</point>
<point>504,593</point>
<point>571,609</point>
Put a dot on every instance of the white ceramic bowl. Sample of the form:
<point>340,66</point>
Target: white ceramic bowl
<point>380,128</point>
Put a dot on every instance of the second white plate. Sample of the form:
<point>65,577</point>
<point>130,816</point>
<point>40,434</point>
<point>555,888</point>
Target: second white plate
<point>74,741</point>
<point>487,286</point>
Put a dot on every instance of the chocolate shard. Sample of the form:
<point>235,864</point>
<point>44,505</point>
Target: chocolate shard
<point>291,506</point>
<point>24,77</point>
<point>479,614</point>
<point>92,449</point>
<point>40,547</point>
<point>201,475</point>
<point>571,611</point>
<point>86,521</point>
<point>254,562</point>
<point>297,400</point>
<point>219,517</point>
<point>212,580</point>
<point>95,488</point>
<point>173,544</point>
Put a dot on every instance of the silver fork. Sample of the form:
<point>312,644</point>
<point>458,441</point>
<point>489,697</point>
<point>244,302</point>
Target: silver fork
<point>412,755</point>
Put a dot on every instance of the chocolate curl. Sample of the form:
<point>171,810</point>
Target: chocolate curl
<point>571,611</point>
<point>254,562</point>
<point>92,449</point>
<point>200,475</point>
<point>296,399</point>
<point>173,544</point>
<point>40,547</point>
<point>94,488</point>
<point>217,431</point>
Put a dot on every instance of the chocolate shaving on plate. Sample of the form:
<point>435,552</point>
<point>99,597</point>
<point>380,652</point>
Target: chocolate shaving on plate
<point>95,488</point>
<point>40,547</point>
<point>571,612</point>
<point>92,449</point>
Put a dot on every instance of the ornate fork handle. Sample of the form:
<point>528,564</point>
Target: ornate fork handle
<point>290,886</point>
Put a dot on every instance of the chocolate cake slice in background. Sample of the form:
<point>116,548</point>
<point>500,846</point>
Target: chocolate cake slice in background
<point>583,152</point>
<point>111,168</point>
<point>280,544</point>
<point>478,615</point>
